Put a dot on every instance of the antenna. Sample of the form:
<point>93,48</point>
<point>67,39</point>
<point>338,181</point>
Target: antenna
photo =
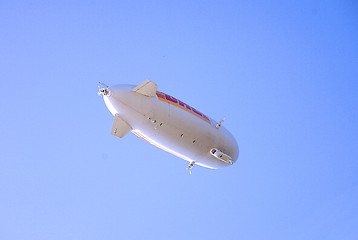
<point>219,124</point>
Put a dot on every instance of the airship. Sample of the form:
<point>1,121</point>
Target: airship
<point>169,124</point>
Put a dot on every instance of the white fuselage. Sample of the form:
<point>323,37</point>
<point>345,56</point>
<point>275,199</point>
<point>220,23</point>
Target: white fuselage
<point>172,125</point>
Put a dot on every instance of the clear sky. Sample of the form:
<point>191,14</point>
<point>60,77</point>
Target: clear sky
<point>284,74</point>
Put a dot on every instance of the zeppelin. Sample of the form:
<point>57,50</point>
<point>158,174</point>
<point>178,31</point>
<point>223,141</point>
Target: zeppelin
<point>169,124</point>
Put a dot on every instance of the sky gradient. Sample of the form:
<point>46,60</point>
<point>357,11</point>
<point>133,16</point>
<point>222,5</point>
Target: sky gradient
<point>283,74</point>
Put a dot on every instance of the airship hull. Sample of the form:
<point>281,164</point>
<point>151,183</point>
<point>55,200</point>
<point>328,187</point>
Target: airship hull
<point>170,124</point>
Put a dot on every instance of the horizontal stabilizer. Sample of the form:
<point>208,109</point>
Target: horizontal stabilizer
<point>120,127</point>
<point>146,88</point>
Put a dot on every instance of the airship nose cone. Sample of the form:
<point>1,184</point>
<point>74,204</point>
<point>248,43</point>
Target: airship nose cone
<point>116,97</point>
<point>103,89</point>
<point>106,93</point>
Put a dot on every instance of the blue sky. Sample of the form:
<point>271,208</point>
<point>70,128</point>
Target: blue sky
<point>283,74</point>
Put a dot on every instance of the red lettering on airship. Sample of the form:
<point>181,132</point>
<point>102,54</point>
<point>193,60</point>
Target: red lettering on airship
<point>175,102</point>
